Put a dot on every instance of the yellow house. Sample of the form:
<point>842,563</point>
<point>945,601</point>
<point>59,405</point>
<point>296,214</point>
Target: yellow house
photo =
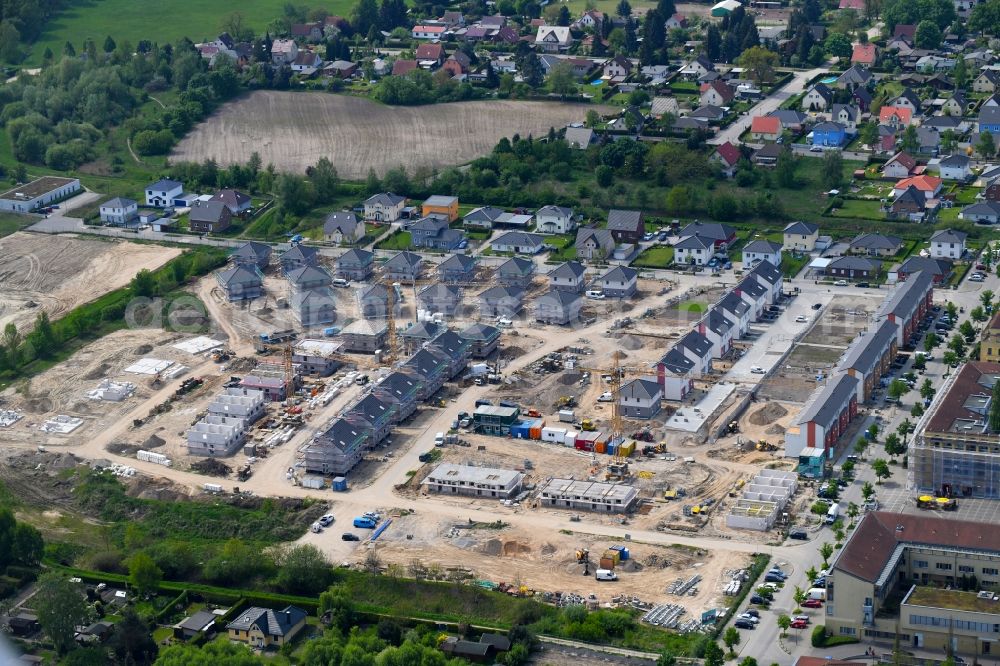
<point>801,236</point>
<point>263,627</point>
<point>989,348</point>
<point>441,206</point>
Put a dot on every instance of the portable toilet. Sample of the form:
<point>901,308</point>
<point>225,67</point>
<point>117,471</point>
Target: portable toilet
<point>339,484</point>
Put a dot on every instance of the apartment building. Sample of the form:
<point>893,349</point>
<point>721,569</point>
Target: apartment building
<point>476,481</point>
<point>588,495</point>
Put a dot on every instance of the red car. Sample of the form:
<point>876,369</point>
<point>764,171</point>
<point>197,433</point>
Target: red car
<point>980,267</point>
<point>799,624</point>
<point>812,603</point>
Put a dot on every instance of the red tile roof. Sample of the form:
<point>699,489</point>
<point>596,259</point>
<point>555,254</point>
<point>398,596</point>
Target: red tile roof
<point>966,384</point>
<point>887,112</point>
<point>729,153</point>
<point>765,125</point>
<point>922,183</point>
<point>863,54</point>
<point>873,542</point>
<point>429,52</point>
<point>401,67</point>
<point>904,159</point>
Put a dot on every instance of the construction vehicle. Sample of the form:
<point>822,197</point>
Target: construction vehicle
<point>734,427</point>
<point>583,557</point>
<point>588,425</point>
<point>618,469</point>
<point>764,445</point>
<point>644,435</point>
<point>244,473</point>
<point>566,402</point>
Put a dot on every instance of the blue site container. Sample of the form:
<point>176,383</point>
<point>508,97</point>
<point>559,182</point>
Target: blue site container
<point>610,448</point>
<point>622,552</point>
<point>339,484</point>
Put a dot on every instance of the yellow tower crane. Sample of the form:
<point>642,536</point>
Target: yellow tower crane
<point>618,469</point>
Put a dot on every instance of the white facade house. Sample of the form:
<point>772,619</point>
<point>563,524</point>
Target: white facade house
<point>454,479</point>
<point>283,51</point>
<point>588,495</point>
<point>119,211</point>
<point>384,207</point>
<point>693,250</point>
<point>428,31</point>
<point>554,220</point>
<point>955,167</point>
<point>162,193</point>
<point>762,250</point>
<point>553,38</point>
<point>948,244</point>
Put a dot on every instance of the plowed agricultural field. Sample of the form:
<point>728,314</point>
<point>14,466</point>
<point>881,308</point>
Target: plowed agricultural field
<point>293,130</point>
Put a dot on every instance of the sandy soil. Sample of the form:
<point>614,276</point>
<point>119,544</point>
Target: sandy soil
<point>296,129</point>
<point>58,273</point>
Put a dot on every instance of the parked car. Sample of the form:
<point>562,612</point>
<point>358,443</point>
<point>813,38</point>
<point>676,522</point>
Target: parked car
<point>748,616</point>
<point>757,599</point>
<point>840,283</point>
<point>812,603</point>
<point>800,535</point>
<point>744,623</point>
<point>347,536</point>
<point>596,294</point>
<point>801,319</point>
<point>817,306</point>
<point>862,285</point>
<point>798,624</point>
<point>326,520</point>
<point>752,612</point>
<point>756,370</point>
<point>647,236</point>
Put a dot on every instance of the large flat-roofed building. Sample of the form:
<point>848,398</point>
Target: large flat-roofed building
<point>588,495</point>
<point>39,192</point>
<point>494,419</point>
<point>477,481</point>
<point>954,451</point>
<point>915,557</point>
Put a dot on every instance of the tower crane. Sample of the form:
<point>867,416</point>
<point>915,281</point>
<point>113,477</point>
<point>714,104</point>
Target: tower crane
<point>618,469</point>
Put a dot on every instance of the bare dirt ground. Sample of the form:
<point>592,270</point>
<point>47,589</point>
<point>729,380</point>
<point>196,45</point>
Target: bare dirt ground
<point>57,273</point>
<point>296,129</point>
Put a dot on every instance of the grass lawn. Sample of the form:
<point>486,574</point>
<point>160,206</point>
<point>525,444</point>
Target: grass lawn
<point>791,265</point>
<point>658,256</point>
<point>11,222</point>
<point>694,307</point>
<point>858,208</point>
<point>966,195</point>
<point>160,22</point>
<point>400,240</point>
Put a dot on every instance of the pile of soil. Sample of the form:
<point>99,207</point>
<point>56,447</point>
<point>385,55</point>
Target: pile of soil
<point>122,448</point>
<point>768,414</point>
<point>775,430</point>
<point>570,377</point>
<point>548,549</point>
<point>492,547</point>
<point>630,342</point>
<point>153,441</point>
<point>38,405</point>
<point>211,467</point>
<point>515,548</point>
<point>630,566</point>
<point>143,349</point>
<point>98,372</point>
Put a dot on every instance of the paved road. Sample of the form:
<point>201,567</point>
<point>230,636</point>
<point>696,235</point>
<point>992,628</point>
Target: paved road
<point>765,106</point>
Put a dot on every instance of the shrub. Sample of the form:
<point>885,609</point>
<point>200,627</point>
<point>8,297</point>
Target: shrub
<point>819,638</point>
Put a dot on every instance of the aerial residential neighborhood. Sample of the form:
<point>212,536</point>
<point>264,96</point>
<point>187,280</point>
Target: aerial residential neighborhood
<point>505,333</point>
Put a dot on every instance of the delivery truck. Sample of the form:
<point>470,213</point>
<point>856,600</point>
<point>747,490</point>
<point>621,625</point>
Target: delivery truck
<point>832,514</point>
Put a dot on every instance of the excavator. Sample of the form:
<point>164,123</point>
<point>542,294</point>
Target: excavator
<point>583,557</point>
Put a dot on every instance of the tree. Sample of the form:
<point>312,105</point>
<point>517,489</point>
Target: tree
<point>950,358</point>
<point>364,17</point>
<point>11,347</point>
<point>985,17</point>
<point>893,446</point>
<point>867,491</point>
<point>917,411</point>
<point>132,641</point>
<point>951,310</point>
<point>10,42</point>
<point>897,389</point>
<point>985,146</point>
<point>995,408</point>
<point>624,9</point>
<point>826,552</point>
<point>760,62</point>
<point>957,345</point>
<point>786,167</point>
<point>731,637</point>
<point>303,570</point>
<point>784,622</point>
<point>143,573</point>
<point>42,337</point>
<point>833,169</point>
<point>967,331</point>
<point>881,469</point>
<point>799,596</point>
<point>978,314</point>
<point>905,428</point>
<point>666,659</point>
<point>847,468</point>
<point>910,142</point>
<point>927,36</point>
<point>60,607</point>
<point>853,510</point>
<point>838,44</point>
<point>931,341</point>
<point>714,655</point>
<point>324,180</point>
<point>561,80</point>
<point>109,44</point>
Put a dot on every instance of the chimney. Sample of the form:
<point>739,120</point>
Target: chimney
<point>288,616</point>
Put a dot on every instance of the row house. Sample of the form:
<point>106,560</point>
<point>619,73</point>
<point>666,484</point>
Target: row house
<point>825,417</point>
<point>403,390</point>
<point>908,304</point>
<point>734,308</point>
<point>483,339</point>
<point>337,447</point>
<point>719,330</point>
<point>689,359</point>
<point>455,349</point>
<point>770,277</point>
<point>870,357</point>
<point>431,368</point>
<point>753,294</point>
<point>377,415</point>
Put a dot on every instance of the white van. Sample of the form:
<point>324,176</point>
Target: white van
<point>605,574</point>
<point>596,294</point>
<point>503,322</point>
<point>316,527</point>
<point>341,282</point>
<point>439,439</point>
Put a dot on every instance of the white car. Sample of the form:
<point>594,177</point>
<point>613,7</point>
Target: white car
<point>756,370</point>
<point>595,294</point>
<point>816,149</point>
<point>326,520</point>
<point>316,527</point>
<point>801,319</point>
<point>607,396</point>
<point>748,616</point>
<point>840,283</point>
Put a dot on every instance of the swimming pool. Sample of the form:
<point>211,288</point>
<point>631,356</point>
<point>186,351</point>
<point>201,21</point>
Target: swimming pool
<point>597,82</point>
<point>829,80</point>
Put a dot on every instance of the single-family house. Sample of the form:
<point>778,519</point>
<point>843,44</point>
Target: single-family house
<point>442,206</point>
<point>847,115</point>
<point>928,140</point>
<point>428,31</point>
<point>619,67</point>
<point>955,167</point>
<point>626,226</point>
<point>640,398</point>
<point>900,165</point>
<point>761,250</point>
<point>483,217</point>
<point>430,55</point>
<point>721,235</point>
<point>957,104</point>
<point>241,283</point>
<point>594,243</point>
<point>716,93</point>
<point>252,254</point>
<point>676,22</point>
<point>457,268</point>
<point>948,244</point>
<point>355,264</point>
<point>518,242</point>
<point>853,268</point>
<point>907,100</point>
<point>341,69</point>
<point>591,19</point>
<point>374,300</point>
<point>702,116</point>
<point>313,307</point>
<point>440,297</point>
<point>896,117</point>
<point>790,119</point>
<point>989,121</point>
<point>416,335</point>
<point>162,193</point>
<point>283,51</point>
<point>693,249</point>
<point>553,38</point>
<point>434,233</point>
<point>384,207</point>
<point>515,272</point>
<point>939,269</point>
<point>727,156</point>
<point>403,66</point>
<point>864,54</point>
<point>501,301</point>
<point>237,202</point>
<point>984,212</point>
<point>579,137</point>
<point>829,134</point>
<point>619,282</point>
<point>405,266</point>
<point>697,68</point>
<point>557,307</point>
<point>910,205</point>
<point>988,82</point>
<point>209,217</point>
<point>554,220</point>
<point>119,211</point>
<point>854,76</point>
<point>343,227</point>
<point>765,128</point>
<point>484,339</point>
<point>297,256</point>
<point>308,277</point>
<point>817,98</point>
<point>800,236</point>
<point>886,142</point>
<point>929,186</point>
<point>862,98</point>
<point>306,61</point>
<point>569,276</point>
<point>876,245</point>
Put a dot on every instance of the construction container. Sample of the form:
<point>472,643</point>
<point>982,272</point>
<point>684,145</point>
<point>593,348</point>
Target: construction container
<point>611,447</point>
<point>627,449</point>
<point>311,481</point>
<point>598,447</point>
<point>339,484</point>
<point>622,552</point>
<point>556,435</point>
<point>613,554</point>
<point>567,416</point>
<point>213,488</point>
<point>607,563</point>
<point>570,438</point>
<point>535,432</point>
<point>521,430</point>
<point>589,437</point>
<point>250,450</point>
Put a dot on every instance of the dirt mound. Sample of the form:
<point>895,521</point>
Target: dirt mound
<point>153,441</point>
<point>122,448</point>
<point>212,467</point>
<point>143,349</point>
<point>776,429</point>
<point>98,372</point>
<point>569,378</point>
<point>512,352</point>
<point>38,405</point>
<point>768,414</point>
<point>630,342</point>
<point>630,566</point>
<point>548,549</point>
<point>515,548</point>
<point>492,547</point>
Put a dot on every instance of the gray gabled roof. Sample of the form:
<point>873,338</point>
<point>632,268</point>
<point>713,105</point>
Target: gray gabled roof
<point>165,185</point>
<point>855,264</point>
<point>904,299</point>
<point>270,622</point>
<point>983,208</point>
<point>570,270</point>
<point>438,291</point>
<point>516,266</point>
<point>767,271</point>
<point>717,232</point>
<point>451,344</point>
<point>372,409</point>
<point>426,363</point>
<point>642,388</point>
<point>694,242</point>
<point>238,275</point>
<point>398,386</point>
<point>876,242</point>
<point>802,228</point>
<point>345,221</point>
<point>385,199</point>
<point>481,332</point>
<point>624,220</point>
<point>762,246</point>
<point>602,237</point>
<point>208,211</point>
<point>949,236</point>
<point>299,252</point>
<point>697,343</point>
<point>356,256</point>
<point>866,351</point>
<point>484,213</point>
<point>554,210</point>
<point>500,293</point>
<point>119,202</point>
<point>676,362</point>
<point>314,297</point>
<point>404,260</point>
<point>424,330</point>
<point>559,297</point>
<point>827,402</point>
<point>519,238</point>
<point>717,322</point>
<point>308,274</point>
<point>457,262</point>
<point>620,274</point>
<point>915,263</point>
<point>751,286</point>
<point>958,161</point>
<point>344,435</point>
<point>253,250</point>
<point>731,302</point>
